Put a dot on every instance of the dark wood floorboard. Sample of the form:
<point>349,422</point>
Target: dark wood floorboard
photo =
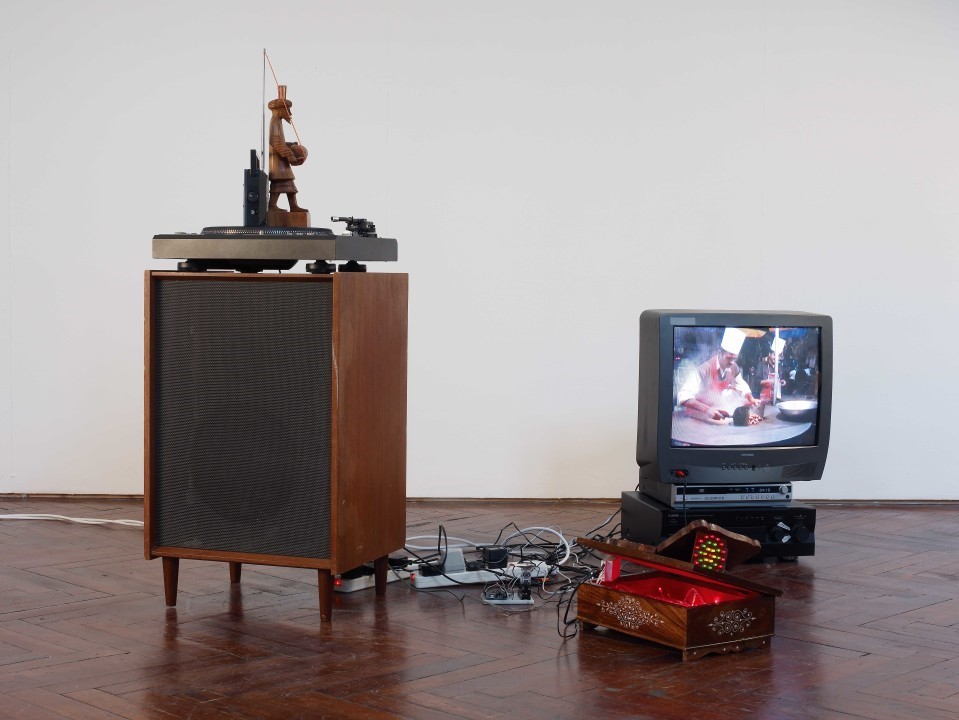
<point>867,628</point>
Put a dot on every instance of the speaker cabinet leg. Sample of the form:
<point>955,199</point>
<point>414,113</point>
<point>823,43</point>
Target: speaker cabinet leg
<point>325,584</point>
<point>380,568</point>
<point>235,572</point>
<point>171,572</point>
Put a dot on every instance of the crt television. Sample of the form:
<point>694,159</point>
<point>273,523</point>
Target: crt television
<point>732,397</point>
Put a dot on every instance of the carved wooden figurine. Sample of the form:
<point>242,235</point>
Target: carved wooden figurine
<point>283,155</point>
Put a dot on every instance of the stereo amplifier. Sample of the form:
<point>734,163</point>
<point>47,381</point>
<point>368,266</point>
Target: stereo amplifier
<point>785,532</point>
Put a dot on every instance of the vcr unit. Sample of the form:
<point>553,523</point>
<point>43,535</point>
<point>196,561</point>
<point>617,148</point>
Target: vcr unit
<point>785,532</point>
<point>674,495</point>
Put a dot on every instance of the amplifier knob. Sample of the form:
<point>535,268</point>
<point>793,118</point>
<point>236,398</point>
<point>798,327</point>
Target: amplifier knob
<point>801,533</point>
<point>779,532</point>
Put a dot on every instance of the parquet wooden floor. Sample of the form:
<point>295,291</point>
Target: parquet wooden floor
<point>867,628</point>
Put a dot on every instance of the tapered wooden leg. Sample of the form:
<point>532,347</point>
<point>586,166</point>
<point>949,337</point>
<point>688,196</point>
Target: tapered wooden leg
<point>171,571</point>
<point>235,572</point>
<point>381,567</point>
<point>325,585</point>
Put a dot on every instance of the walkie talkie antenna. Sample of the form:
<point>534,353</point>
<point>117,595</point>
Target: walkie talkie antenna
<point>263,116</point>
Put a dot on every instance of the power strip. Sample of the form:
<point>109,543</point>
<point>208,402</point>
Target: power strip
<point>469,577</point>
<point>512,600</point>
<point>348,585</point>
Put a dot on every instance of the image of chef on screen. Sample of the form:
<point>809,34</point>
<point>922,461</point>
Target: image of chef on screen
<point>716,388</point>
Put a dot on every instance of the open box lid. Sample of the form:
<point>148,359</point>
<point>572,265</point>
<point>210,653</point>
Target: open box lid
<point>663,557</point>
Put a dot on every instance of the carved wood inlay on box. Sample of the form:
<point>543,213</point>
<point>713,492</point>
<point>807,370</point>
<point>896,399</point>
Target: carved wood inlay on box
<point>677,594</point>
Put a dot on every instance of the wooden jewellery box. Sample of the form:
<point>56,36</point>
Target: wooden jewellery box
<point>690,604</point>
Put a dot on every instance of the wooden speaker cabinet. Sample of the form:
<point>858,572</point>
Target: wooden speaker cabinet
<point>275,428</point>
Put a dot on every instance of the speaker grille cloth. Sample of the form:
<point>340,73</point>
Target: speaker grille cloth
<point>242,402</point>
<point>798,471</point>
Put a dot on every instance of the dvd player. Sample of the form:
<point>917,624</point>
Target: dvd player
<point>679,495</point>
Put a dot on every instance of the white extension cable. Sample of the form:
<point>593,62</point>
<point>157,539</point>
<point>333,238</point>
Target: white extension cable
<point>460,542</point>
<point>82,521</point>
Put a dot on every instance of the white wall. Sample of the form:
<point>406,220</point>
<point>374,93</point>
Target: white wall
<point>550,169</point>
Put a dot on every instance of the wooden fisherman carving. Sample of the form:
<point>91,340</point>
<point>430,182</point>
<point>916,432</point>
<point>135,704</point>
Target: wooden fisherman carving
<point>284,155</point>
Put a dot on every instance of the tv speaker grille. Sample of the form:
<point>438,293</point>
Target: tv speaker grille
<point>803,471</point>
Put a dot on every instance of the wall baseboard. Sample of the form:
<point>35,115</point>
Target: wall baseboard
<point>825,502</point>
<point>68,497</point>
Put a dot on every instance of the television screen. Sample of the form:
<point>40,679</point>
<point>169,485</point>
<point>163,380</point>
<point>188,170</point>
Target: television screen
<point>732,397</point>
<point>745,386</point>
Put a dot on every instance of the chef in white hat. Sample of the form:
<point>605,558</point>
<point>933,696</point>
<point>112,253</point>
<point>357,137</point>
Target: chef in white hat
<point>716,388</point>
